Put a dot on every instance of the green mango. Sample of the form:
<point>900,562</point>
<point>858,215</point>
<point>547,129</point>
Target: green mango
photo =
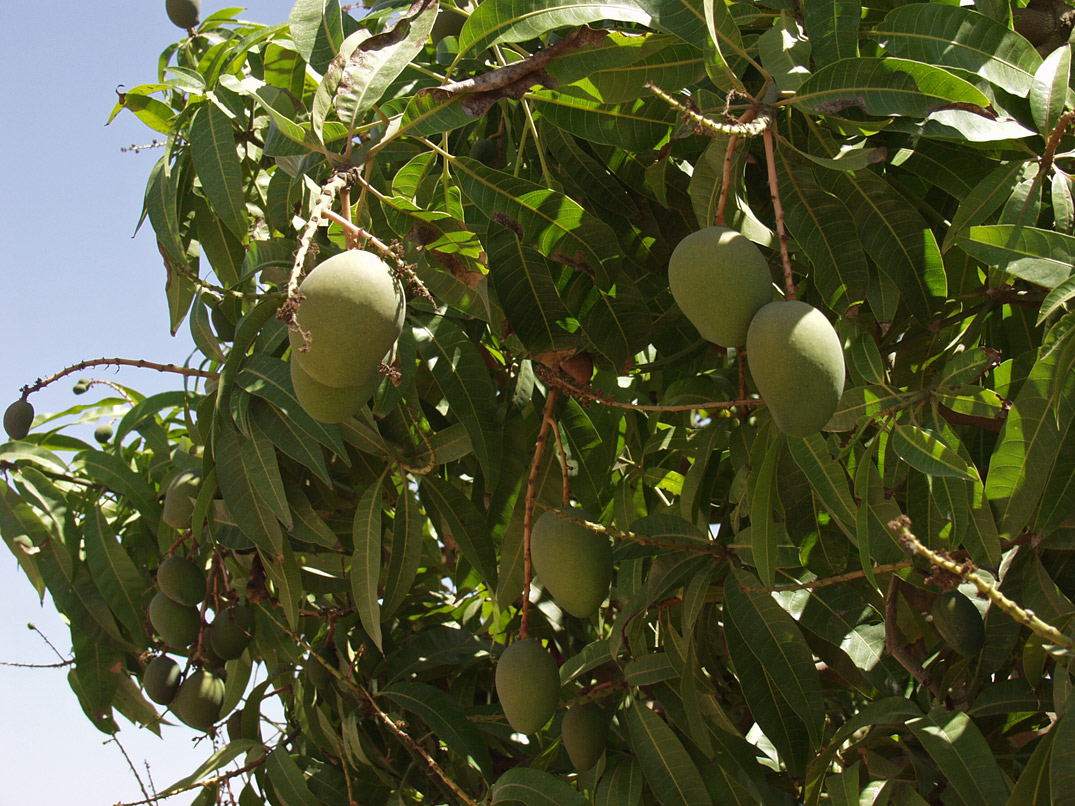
<point>199,700</point>
<point>527,685</point>
<point>181,580</point>
<point>176,624</point>
<point>330,404</point>
<point>485,151</point>
<point>719,279</point>
<point>179,499</point>
<point>231,632</point>
<point>573,563</point>
<point>184,13</point>
<point>797,362</point>
<point>585,733</point>
<point>161,679</point>
<point>18,418</point>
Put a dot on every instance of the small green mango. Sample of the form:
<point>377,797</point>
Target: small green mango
<point>224,327</point>
<point>161,679</point>
<point>585,732</point>
<point>184,13</point>
<point>181,580</point>
<point>199,700</point>
<point>231,632</point>
<point>719,279</point>
<point>318,673</point>
<point>18,418</point>
<point>179,499</point>
<point>797,362</point>
<point>573,563</point>
<point>176,624</point>
<point>330,404</point>
<point>959,623</point>
<point>82,385</point>
<point>527,685</point>
<point>103,433</point>
<point>353,311</point>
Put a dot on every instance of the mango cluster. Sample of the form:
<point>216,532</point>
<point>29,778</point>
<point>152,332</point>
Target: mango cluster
<point>721,282</point>
<point>197,700</point>
<point>349,319</point>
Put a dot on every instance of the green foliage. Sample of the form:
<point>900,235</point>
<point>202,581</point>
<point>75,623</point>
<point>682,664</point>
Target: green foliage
<point>959,622</point>
<point>766,639</point>
<point>719,280</point>
<point>797,362</point>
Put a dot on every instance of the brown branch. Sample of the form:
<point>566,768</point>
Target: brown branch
<point>774,193</point>
<point>528,507</point>
<point>966,571</point>
<point>1047,158</point>
<point>896,649</point>
<point>38,665</point>
<point>824,582</point>
<point>985,423</point>
<point>726,169</point>
<point>718,550</point>
<point>214,781</point>
<point>597,396</point>
<point>563,464</point>
<point>413,745</point>
<point>120,362</point>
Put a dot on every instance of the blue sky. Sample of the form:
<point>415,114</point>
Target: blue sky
<point>77,286</point>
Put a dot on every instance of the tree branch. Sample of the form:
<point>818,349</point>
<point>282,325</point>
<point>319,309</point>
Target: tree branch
<point>528,507</point>
<point>40,384</point>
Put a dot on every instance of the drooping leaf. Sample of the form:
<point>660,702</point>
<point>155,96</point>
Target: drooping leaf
<point>958,748</point>
<point>668,769</point>
<point>212,148</point>
<point>366,560</point>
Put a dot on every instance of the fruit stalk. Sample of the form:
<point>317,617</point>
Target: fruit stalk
<point>781,232</point>
<point>528,507</point>
<point>911,544</point>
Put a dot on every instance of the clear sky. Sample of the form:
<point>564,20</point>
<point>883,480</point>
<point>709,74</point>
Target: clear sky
<point>75,286</point>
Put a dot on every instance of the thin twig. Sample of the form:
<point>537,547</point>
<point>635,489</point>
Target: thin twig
<point>896,649</point>
<point>115,387</point>
<point>726,169</point>
<point>32,626</point>
<point>781,232</point>
<point>60,665</point>
<point>824,582</point>
<point>120,362</point>
<point>214,781</point>
<point>528,507</point>
<point>130,764</point>
<point>413,745</point>
<point>703,125</point>
<point>718,550</point>
<point>965,570</point>
<point>596,396</point>
<point>564,477</point>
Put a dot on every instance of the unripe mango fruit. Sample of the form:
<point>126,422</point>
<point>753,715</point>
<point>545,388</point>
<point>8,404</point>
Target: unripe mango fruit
<point>181,580</point>
<point>584,731</point>
<point>18,418</point>
<point>484,151</point>
<point>103,433</point>
<point>719,279</point>
<point>573,563</point>
<point>161,679</point>
<point>959,622</point>
<point>199,700</point>
<point>527,685</point>
<point>176,624</point>
<point>179,499</point>
<point>330,404</point>
<point>231,632</point>
<point>797,362</point>
<point>183,13</point>
<point>353,312</point>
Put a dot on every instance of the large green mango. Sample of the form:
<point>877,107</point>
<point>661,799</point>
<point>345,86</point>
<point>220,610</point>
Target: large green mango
<point>176,624</point>
<point>161,679</point>
<point>181,580</point>
<point>584,731</point>
<point>353,311</point>
<point>330,404</point>
<point>199,700</point>
<point>719,279</point>
<point>797,363</point>
<point>527,685</point>
<point>573,563</point>
<point>179,498</point>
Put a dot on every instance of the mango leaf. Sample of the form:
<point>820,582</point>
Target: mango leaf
<point>290,439</point>
<point>827,478</point>
<point>825,231</point>
<point>1049,91</point>
<point>121,583</point>
<point>532,787</point>
<point>288,780</point>
<point>1033,783</point>
<point>884,87</point>
<point>283,571</point>
<point>555,225</point>
<point>924,451</point>
<point>983,200</point>
<point>621,785</point>
<point>963,757</point>
<point>951,36</point>
<point>446,719</point>
<point>407,536</point>
<point>777,646</point>
<point>461,519</point>
<point>212,148</point>
<point>316,26</point>
<point>1061,770</point>
<point>637,125</point>
<point>460,372</point>
<point>765,532</point>
<point>162,207</point>
<point>668,769</point>
<point>116,475</point>
<point>785,54</point>
<point>832,26</point>
<point>1039,256</point>
<point>1057,298</point>
<point>366,560</point>
<point>377,62</point>
<point>239,471</point>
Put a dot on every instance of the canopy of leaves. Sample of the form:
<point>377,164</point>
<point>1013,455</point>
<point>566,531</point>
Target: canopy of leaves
<point>766,637</point>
